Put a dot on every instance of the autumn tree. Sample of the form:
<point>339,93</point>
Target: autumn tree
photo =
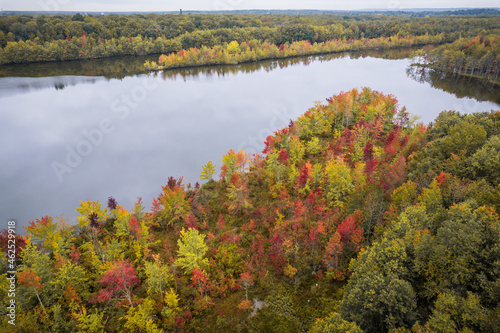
<point>91,321</point>
<point>334,324</point>
<point>118,281</point>
<point>208,171</point>
<point>158,277</point>
<point>39,275</point>
<point>141,318</point>
<point>30,279</point>
<point>246,281</point>
<point>192,249</point>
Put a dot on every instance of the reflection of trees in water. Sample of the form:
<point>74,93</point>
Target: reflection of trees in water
<point>120,67</point>
<point>16,85</point>
<point>459,85</point>
<point>270,65</point>
<point>112,68</point>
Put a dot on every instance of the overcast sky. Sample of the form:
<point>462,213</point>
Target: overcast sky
<point>169,5</point>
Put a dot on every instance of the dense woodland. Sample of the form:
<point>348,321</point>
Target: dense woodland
<point>64,37</point>
<point>478,56</point>
<point>354,218</point>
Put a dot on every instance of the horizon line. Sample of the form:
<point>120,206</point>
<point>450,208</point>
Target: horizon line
<point>254,9</point>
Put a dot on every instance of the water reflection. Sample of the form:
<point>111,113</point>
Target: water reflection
<point>111,68</point>
<point>133,132</point>
<point>121,67</point>
<point>270,65</point>
<point>59,75</point>
<point>19,85</point>
<point>458,85</point>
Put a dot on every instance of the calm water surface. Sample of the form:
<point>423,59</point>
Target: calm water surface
<point>73,137</point>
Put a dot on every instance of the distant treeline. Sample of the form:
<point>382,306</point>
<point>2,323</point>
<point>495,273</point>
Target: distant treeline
<point>415,12</point>
<point>64,37</point>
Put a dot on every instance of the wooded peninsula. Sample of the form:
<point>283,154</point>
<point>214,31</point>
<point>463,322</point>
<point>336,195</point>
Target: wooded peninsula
<point>354,218</point>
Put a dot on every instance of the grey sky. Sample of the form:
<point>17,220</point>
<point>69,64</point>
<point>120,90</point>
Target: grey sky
<point>162,5</point>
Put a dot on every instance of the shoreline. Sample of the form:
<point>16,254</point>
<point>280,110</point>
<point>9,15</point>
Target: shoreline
<point>496,82</point>
<point>208,64</point>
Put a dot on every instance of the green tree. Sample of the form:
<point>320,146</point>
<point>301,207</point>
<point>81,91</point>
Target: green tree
<point>72,277</point>
<point>464,247</point>
<point>91,322</point>
<point>171,308</point>
<point>90,211</point>
<point>334,324</point>
<point>52,235</point>
<point>78,17</point>
<point>158,277</point>
<point>39,273</point>
<point>141,319</point>
<point>456,314</point>
<point>378,296</point>
<point>192,249</point>
<point>486,161</point>
<point>208,171</point>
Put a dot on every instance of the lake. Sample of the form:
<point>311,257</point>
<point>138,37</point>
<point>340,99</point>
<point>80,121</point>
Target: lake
<point>89,130</point>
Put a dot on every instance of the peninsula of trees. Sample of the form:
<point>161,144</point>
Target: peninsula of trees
<point>478,56</point>
<point>354,218</point>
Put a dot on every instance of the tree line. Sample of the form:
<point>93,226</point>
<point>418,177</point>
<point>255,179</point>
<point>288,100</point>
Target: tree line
<point>354,218</point>
<point>236,53</point>
<point>64,37</point>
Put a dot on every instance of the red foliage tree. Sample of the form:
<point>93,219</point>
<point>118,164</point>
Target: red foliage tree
<point>135,227</point>
<point>305,174</point>
<point>30,279</point>
<point>119,280</point>
<point>246,281</point>
<point>283,157</point>
<point>269,144</point>
<point>199,279</point>
<point>19,241</point>
<point>368,151</point>
<point>75,254</point>
<point>276,253</point>
<point>346,228</point>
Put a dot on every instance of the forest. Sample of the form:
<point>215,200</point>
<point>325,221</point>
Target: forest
<point>354,218</point>
<point>479,56</point>
<point>41,38</point>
